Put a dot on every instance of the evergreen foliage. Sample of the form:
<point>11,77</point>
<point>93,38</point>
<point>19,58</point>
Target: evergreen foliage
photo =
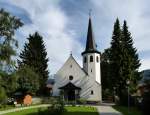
<point>115,55</point>
<point>27,80</point>
<point>120,62</point>
<point>34,56</point>
<point>131,61</point>
<point>106,70</point>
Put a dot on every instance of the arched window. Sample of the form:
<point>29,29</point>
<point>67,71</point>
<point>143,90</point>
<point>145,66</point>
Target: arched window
<point>91,58</point>
<point>70,77</point>
<point>70,66</point>
<point>85,59</point>
<point>92,92</point>
<point>97,59</point>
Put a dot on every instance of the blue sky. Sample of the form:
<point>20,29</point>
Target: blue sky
<point>63,25</point>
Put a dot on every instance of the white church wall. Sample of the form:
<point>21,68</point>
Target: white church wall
<point>91,85</point>
<point>92,68</point>
<point>80,79</point>
<point>97,68</point>
<point>89,79</point>
<point>70,68</point>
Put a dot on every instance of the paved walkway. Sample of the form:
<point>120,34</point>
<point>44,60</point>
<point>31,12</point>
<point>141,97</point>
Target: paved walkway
<point>23,108</point>
<point>106,109</point>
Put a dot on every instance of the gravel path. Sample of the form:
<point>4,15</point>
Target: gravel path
<point>23,108</point>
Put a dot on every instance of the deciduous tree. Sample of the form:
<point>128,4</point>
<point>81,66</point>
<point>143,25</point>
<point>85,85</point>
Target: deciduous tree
<point>8,25</point>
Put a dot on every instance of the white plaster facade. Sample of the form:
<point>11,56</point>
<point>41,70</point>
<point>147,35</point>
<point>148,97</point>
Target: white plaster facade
<point>87,78</point>
<point>80,78</point>
<point>92,68</point>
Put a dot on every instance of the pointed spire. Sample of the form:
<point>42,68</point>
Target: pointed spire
<point>90,43</point>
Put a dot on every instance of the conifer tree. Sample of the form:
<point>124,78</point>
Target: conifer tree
<point>130,58</point>
<point>115,56</point>
<point>105,70</point>
<point>131,50</point>
<point>124,62</point>
<point>34,56</point>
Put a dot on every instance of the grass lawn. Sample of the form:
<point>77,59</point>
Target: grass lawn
<point>68,111</point>
<point>124,110</point>
<point>80,111</point>
<point>33,111</point>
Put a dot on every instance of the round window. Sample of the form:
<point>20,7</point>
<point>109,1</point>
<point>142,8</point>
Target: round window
<point>70,77</point>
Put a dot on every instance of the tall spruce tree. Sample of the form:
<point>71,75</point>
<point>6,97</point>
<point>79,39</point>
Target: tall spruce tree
<point>124,62</point>
<point>106,78</point>
<point>34,55</point>
<point>115,56</point>
<point>130,58</point>
<point>105,69</point>
<point>131,50</point>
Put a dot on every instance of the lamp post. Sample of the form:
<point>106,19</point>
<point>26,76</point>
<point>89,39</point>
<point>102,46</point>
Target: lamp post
<point>128,83</point>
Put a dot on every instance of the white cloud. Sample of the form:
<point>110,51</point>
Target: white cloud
<point>50,20</point>
<point>136,12</point>
<point>145,64</point>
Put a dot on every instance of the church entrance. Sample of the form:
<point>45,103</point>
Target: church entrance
<point>70,92</point>
<point>71,95</point>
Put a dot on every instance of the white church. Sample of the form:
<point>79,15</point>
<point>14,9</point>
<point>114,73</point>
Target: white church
<point>76,82</point>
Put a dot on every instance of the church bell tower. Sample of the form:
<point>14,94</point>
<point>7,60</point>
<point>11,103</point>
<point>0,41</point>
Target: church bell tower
<point>91,56</point>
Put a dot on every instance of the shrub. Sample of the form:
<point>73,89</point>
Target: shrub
<point>81,101</point>
<point>56,108</point>
<point>49,100</point>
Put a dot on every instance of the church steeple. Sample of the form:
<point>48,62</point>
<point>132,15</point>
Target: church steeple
<point>90,42</point>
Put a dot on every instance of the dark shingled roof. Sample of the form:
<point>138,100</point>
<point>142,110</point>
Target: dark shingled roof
<point>70,86</point>
<point>90,43</point>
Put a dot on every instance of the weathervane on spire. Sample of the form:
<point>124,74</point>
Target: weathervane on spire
<point>90,11</point>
